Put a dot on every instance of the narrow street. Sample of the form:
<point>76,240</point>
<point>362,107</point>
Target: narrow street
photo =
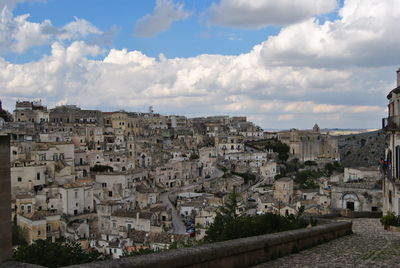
<point>369,246</point>
<point>177,223</point>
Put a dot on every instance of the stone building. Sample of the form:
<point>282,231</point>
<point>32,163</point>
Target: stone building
<point>391,166</point>
<point>77,198</point>
<point>31,111</point>
<point>39,225</point>
<point>229,144</point>
<point>284,190</point>
<point>362,196</point>
<point>71,114</point>
<point>354,174</point>
<point>310,144</point>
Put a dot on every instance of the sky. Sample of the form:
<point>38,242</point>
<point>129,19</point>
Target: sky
<point>283,64</point>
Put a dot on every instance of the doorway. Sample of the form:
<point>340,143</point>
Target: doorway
<point>350,205</point>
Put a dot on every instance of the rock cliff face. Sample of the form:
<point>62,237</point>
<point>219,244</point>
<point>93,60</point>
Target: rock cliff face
<point>362,150</point>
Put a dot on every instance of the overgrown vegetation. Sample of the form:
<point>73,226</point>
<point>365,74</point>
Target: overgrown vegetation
<point>101,168</point>
<point>17,236</point>
<point>307,178</point>
<point>193,157</point>
<point>142,251</point>
<point>390,219</point>
<point>57,254</point>
<point>5,115</point>
<point>277,146</point>
<point>247,176</point>
<point>334,167</point>
<point>228,224</point>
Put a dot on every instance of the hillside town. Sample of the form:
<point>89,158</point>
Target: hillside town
<point>120,182</point>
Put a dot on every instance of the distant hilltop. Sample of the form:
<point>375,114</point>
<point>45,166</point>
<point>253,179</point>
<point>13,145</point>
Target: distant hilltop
<point>346,131</point>
<point>336,131</point>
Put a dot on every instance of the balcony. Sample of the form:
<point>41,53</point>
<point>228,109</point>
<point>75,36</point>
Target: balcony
<point>391,123</point>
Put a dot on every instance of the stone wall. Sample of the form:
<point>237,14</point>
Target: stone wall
<point>236,253</point>
<point>5,199</point>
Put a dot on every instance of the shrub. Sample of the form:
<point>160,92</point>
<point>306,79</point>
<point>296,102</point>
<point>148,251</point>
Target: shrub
<point>46,253</point>
<point>390,219</point>
<point>229,225</point>
<point>101,168</point>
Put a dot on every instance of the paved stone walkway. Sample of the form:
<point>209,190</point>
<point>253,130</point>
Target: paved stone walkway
<point>369,246</point>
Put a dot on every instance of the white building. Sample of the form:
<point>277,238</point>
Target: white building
<point>77,198</point>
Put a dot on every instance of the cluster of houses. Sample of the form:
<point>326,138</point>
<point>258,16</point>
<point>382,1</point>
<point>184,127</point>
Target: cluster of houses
<point>122,181</point>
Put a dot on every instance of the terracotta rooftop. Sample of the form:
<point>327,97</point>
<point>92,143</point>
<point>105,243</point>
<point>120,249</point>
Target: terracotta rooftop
<point>132,214</point>
<point>39,215</point>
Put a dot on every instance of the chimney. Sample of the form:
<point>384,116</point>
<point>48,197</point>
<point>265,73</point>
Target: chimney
<point>398,77</point>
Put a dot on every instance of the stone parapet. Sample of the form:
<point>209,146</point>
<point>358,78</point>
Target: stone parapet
<point>5,199</point>
<point>243,252</point>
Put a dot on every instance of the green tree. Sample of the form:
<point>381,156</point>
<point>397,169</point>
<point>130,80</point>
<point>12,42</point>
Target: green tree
<point>101,168</point>
<point>17,236</point>
<point>6,115</point>
<point>49,254</point>
<point>245,226</point>
<point>141,251</point>
<point>193,157</point>
<point>334,167</point>
<point>225,215</point>
<point>283,151</point>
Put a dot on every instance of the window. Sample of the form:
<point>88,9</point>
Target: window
<point>48,228</point>
<point>76,194</point>
<point>110,193</point>
<point>39,232</point>
<point>19,179</point>
<point>29,209</point>
<point>104,185</point>
<point>114,224</point>
<point>22,207</point>
<point>390,197</point>
<point>38,176</point>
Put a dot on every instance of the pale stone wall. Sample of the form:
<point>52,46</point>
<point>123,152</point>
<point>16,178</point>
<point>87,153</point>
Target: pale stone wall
<point>5,199</point>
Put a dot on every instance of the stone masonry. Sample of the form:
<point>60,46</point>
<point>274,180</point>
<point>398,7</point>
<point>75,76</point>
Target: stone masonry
<point>5,199</point>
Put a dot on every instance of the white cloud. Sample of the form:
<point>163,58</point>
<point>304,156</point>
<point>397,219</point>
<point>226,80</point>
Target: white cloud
<point>207,84</point>
<point>164,14</point>
<point>78,29</point>
<point>366,34</point>
<point>256,14</point>
<point>17,34</point>
<point>303,75</point>
<point>10,4</point>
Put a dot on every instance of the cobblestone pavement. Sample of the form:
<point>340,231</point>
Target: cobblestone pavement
<point>369,246</point>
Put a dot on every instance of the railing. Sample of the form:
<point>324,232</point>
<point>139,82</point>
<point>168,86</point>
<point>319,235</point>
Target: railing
<point>391,122</point>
